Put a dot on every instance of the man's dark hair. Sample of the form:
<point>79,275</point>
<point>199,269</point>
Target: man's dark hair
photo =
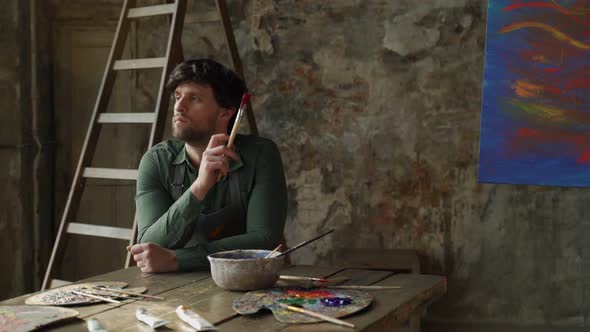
<point>227,86</point>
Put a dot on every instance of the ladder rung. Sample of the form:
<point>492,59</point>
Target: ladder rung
<point>151,11</point>
<point>58,283</point>
<point>102,231</point>
<point>110,173</point>
<point>126,118</point>
<point>139,63</point>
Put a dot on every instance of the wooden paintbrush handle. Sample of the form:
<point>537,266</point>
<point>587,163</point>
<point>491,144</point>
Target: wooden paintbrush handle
<point>234,130</point>
<point>316,315</point>
<point>95,297</point>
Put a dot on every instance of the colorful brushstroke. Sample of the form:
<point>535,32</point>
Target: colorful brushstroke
<point>535,126</point>
<point>24,318</point>
<point>326,301</point>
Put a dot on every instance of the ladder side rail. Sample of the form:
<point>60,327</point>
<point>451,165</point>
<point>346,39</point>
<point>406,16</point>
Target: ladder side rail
<point>91,138</point>
<point>173,56</point>
<point>163,99</point>
<point>235,56</point>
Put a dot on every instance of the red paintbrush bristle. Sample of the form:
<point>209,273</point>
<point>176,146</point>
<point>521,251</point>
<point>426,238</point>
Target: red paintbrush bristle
<point>246,98</point>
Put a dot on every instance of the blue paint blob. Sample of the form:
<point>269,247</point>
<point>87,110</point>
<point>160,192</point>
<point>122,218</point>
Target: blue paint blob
<point>336,301</point>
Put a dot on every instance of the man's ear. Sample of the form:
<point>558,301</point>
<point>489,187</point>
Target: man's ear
<point>227,113</point>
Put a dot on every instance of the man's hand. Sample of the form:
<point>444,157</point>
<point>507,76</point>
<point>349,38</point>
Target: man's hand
<point>151,257</point>
<point>213,161</point>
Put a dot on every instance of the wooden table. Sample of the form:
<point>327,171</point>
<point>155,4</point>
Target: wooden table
<point>197,291</point>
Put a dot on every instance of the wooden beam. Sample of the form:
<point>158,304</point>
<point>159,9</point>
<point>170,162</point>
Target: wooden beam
<point>139,63</point>
<point>110,173</point>
<point>126,118</point>
<point>101,231</point>
<point>151,11</point>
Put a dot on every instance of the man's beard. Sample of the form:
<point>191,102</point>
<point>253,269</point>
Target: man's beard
<point>191,135</point>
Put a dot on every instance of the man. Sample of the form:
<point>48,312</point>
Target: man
<point>183,213</point>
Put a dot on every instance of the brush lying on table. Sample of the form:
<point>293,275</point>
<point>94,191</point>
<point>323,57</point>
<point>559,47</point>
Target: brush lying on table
<point>365,287</point>
<point>109,294</point>
<point>126,293</point>
<point>311,281</point>
<point>96,297</point>
<point>331,283</point>
<point>316,315</point>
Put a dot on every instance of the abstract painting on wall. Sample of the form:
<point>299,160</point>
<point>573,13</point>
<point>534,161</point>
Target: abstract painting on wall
<point>535,126</point>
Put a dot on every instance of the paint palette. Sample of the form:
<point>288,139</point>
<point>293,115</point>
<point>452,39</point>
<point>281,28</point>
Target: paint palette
<point>22,318</point>
<point>64,296</point>
<point>331,302</point>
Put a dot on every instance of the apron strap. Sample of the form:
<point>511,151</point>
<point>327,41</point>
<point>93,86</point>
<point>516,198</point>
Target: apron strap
<point>178,181</point>
<point>234,194</point>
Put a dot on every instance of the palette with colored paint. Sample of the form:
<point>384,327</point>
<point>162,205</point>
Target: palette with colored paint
<point>331,302</point>
<point>22,318</point>
<point>64,295</point>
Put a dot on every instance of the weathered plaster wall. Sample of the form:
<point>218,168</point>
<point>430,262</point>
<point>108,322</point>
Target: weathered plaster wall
<point>376,108</point>
<point>26,143</point>
<point>375,105</point>
<point>13,217</point>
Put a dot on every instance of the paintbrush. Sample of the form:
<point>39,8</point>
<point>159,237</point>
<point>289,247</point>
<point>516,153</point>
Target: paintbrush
<point>109,295</point>
<point>316,315</point>
<point>234,130</point>
<point>366,287</point>
<point>302,278</point>
<point>332,280</point>
<point>96,297</point>
<point>313,282</point>
<point>274,251</point>
<point>304,243</point>
<point>124,293</point>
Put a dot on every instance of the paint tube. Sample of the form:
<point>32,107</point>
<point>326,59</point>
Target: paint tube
<point>193,319</point>
<point>152,321</point>
<point>94,325</point>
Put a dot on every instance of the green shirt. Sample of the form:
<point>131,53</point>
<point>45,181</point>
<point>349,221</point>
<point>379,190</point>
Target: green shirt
<point>171,223</point>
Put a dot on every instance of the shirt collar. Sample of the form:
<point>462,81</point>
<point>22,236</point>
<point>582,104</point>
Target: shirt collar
<point>181,156</point>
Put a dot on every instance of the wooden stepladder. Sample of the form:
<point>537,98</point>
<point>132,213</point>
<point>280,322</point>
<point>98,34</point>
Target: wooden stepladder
<point>173,55</point>
<point>176,10</point>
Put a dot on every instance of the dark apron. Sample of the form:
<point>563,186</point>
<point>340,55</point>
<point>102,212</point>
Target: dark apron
<point>228,221</point>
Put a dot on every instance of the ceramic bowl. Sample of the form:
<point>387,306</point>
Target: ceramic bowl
<point>245,269</point>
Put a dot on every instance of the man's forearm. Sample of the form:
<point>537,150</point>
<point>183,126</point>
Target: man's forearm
<point>195,258</point>
<point>174,226</point>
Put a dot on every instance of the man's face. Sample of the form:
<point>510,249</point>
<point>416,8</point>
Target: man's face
<point>197,115</point>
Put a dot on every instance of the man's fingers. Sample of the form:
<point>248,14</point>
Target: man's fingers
<point>217,159</point>
<point>231,153</point>
<point>139,257</point>
<point>223,151</point>
<point>217,140</point>
<point>220,166</point>
<point>137,248</point>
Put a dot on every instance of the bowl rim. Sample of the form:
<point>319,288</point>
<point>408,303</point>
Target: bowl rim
<point>211,256</point>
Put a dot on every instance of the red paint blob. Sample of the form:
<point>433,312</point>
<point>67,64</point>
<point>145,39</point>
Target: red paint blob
<point>312,294</point>
<point>584,158</point>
